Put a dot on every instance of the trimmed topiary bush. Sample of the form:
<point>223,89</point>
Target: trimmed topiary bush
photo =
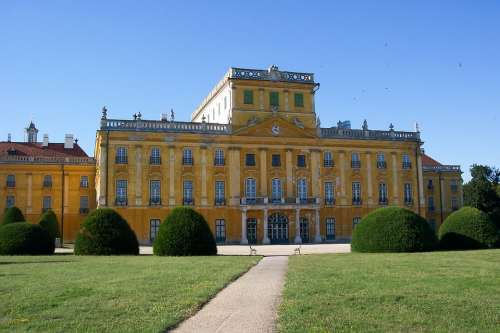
<point>184,233</point>
<point>393,229</point>
<point>48,221</point>
<point>23,238</point>
<point>105,232</point>
<point>12,214</point>
<point>468,228</point>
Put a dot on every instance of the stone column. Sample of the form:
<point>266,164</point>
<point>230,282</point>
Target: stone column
<point>317,238</point>
<point>66,194</point>
<point>421,182</point>
<point>171,175</point>
<point>101,188</point>
<point>244,240</point>
<point>289,173</point>
<point>342,163</point>
<point>369,178</point>
<point>315,174</point>
<point>443,190</point>
<point>234,176</point>
<point>265,239</point>
<point>29,194</point>
<point>298,239</point>
<point>395,188</point>
<point>263,172</point>
<point>138,175</point>
<point>204,198</point>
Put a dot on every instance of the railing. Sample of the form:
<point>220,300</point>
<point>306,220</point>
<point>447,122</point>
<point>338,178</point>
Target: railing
<point>279,201</point>
<point>360,134</point>
<point>270,75</point>
<point>46,159</point>
<point>442,168</point>
<point>381,165</point>
<point>328,164</point>
<point>355,164</point>
<point>254,201</point>
<point>164,126</point>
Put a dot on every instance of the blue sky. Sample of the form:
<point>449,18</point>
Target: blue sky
<point>435,62</point>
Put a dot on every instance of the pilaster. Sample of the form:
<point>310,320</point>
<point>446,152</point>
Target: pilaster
<point>395,185</point>
<point>138,175</point>
<point>289,173</point>
<point>171,176</point>
<point>204,198</point>
<point>369,178</point>
<point>263,172</point>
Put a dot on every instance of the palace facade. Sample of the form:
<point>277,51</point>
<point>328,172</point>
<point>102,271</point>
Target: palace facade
<point>255,161</point>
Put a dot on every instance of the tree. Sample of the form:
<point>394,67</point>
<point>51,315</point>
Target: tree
<point>48,221</point>
<point>11,215</point>
<point>481,191</point>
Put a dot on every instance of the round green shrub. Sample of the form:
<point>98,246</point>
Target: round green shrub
<point>393,229</point>
<point>24,238</point>
<point>12,214</point>
<point>105,232</point>
<point>48,221</point>
<point>468,228</point>
<point>184,233</point>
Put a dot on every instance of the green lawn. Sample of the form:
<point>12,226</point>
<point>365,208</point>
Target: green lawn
<point>420,292</point>
<point>64,293</point>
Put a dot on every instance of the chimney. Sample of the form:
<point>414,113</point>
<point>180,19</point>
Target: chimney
<point>45,142</point>
<point>68,141</point>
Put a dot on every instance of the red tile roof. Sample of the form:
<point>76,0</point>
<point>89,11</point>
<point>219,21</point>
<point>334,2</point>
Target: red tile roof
<point>429,161</point>
<point>36,149</point>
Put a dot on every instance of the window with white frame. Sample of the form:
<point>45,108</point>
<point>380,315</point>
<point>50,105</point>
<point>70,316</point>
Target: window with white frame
<point>219,192</point>
<point>381,163</point>
<point>382,193</point>
<point>187,156</point>
<point>408,194</point>
<point>121,155</point>
<point>220,230</point>
<point>329,193</point>
<point>84,204</point>
<point>250,188</point>
<point>355,160</point>
<point>121,192</point>
<point>84,181</point>
<point>188,192</point>
<point>406,161</point>
<point>155,192</point>
<point>330,228</point>
<point>10,202</point>
<point>154,227</point>
<point>327,159</point>
<point>302,189</point>
<point>155,157</point>
<point>276,190</point>
<point>219,157</point>
<point>356,193</point>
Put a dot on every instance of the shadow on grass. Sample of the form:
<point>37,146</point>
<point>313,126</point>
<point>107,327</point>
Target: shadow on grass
<point>33,262</point>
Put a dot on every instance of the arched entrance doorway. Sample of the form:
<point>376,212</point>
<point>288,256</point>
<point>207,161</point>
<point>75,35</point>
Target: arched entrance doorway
<point>277,228</point>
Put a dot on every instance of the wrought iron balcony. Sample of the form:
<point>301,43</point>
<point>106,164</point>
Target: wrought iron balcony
<point>307,201</point>
<point>355,164</point>
<point>328,164</point>
<point>121,202</point>
<point>84,210</point>
<point>155,201</point>
<point>253,201</point>
<point>188,201</point>
<point>381,165</point>
<point>220,201</point>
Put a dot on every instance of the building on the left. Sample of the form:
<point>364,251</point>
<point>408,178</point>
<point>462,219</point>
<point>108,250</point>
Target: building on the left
<point>37,176</point>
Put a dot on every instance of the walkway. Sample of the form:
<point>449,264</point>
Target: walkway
<point>249,304</point>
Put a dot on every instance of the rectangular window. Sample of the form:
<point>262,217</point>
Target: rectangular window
<point>406,161</point>
<point>355,222</point>
<point>84,181</point>
<point>187,156</point>
<point>454,203</point>
<point>121,192</point>
<point>301,161</point>
<point>382,194</point>
<point>252,230</point>
<point>381,163</point>
<point>10,202</point>
<point>84,204</point>
<point>302,189</point>
<point>188,193</point>
<point>430,204</point>
<point>11,181</point>
<point>356,193</point>
<point>329,193</point>
<point>220,231</point>
<point>121,155</point>
<point>250,160</point>
<point>408,195</point>
<point>155,157</point>
<point>248,97</point>
<point>154,193</point>
<point>47,203</point>
<point>154,227</point>
<point>47,181</point>
<point>274,98</point>
<point>219,157</point>
<point>276,160</point>
<point>454,186</point>
<point>220,196</point>
<point>299,99</point>
<point>330,228</point>
<point>276,190</point>
<point>250,189</point>
<point>327,159</point>
<point>355,161</point>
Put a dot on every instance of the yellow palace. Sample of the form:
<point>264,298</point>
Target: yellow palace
<point>254,160</point>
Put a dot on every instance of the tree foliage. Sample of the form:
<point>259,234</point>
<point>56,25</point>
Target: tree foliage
<point>23,238</point>
<point>48,221</point>
<point>482,191</point>
<point>11,215</point>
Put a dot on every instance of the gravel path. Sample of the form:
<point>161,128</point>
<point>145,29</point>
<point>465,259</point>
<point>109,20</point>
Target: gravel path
<point>249,304</point>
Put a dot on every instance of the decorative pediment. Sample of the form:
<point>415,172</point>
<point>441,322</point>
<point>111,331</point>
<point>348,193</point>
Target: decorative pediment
<point>275,127</point>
